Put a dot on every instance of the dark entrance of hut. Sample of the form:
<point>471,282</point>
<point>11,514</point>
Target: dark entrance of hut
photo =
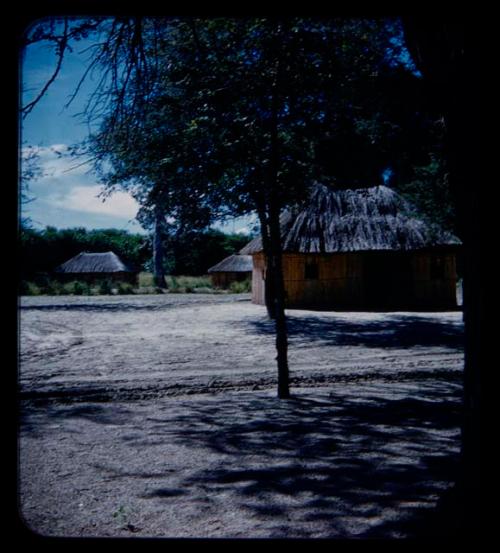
<point>388,281</point>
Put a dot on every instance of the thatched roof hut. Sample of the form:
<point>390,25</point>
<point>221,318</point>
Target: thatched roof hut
<point>231,269</point>
<point>234,263</point>
<point>364,219</point>
<point>96,265</point>
<point>360,248</point>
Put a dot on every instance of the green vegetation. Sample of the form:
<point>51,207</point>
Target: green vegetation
<point>187,253</point>
<point>41,251</point>
<point>241,287</point>
<point>145,285</point>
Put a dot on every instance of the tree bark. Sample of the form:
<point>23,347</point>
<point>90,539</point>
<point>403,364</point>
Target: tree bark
<point>275,265</point>
<point>275,273</point>
<point>158,250</point>
<point>447,65</point>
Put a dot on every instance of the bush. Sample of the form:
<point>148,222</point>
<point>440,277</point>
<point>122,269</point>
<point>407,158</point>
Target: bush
<point>188,283</point>
<point>125,288</point>
<point>29,289</point>
<point>54,288</point>
<point>105,287</point>
<point>77,288</point>
<point>241,286</point>
<point>145,280</point>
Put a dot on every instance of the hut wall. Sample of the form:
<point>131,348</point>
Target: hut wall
<point>224,278</point>
<point>338,281</point>
<point>416,280</point>
<point>435,278</point>
<point>258,273</point>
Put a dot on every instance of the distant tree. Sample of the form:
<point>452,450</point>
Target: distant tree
<point>193,253</point>
<point>41,251</point>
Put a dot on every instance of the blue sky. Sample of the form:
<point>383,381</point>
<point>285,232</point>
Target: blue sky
<point>67,195</point>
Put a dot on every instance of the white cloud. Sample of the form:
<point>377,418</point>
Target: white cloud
<point>85,198</point>
<point>243,230</point>
<point>55,161</point>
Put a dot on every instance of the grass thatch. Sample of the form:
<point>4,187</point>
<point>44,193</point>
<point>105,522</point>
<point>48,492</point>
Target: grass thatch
<point>233,264</point>
<point>85,262</point>
<point>364,219</point>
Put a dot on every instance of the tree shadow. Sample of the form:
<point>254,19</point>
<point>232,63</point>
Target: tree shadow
<point>394,331</point>
<point>32,418</point>
<point>340,461</point>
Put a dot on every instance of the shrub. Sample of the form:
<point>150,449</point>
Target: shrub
<point>105,287</point>
<point>172,283</point>
<point>144,280</point>
<point>27,288</point>
<point>125,288</point>
<point>188,283</point>
<point>241,286</point>
<point>78,288</point>
<point>54,288</point>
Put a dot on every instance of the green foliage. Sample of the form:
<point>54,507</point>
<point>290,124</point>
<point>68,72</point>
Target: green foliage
<point>241,286</point>
<point>145,279</point>
<point>429,190</point>
<point>51,287</point>
<point>54,288</point>
<point>124,288</point>
<point>340,96</point>
<point>193,253</point>
<point>106,287</point>
<point>77,288</point>
<point>29,289</point>
<point>188,284</point>
<point>43,250</point>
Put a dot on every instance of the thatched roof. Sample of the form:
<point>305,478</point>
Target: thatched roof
<point>363,219</point>
<point>233,264</point>
<point>85,262</point>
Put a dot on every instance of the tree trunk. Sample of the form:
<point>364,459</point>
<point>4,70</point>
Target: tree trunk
<point>275,274</point>
<point>452,75</point>
<point>275,266</point>
<point>158,250</point>
<point>464,160</point>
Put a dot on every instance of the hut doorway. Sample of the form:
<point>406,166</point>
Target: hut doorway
<point>388,281</point>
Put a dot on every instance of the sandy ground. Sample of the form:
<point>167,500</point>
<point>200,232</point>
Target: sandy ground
<point>156,416</point>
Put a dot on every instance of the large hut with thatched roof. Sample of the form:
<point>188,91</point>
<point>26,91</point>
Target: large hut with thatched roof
<point>96,266</point>
<point>234,268</point>
<point>360,249</point>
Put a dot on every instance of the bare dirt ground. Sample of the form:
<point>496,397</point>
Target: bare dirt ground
<point>156,416</point>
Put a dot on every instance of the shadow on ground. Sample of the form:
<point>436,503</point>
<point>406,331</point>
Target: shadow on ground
<point>394,331</point>
<point>352,465</point>
<point>365,461</point>
<point>355,464</point>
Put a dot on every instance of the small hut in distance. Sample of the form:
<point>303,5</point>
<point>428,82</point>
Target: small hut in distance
<point>234,268</point>
<point>90,267</point>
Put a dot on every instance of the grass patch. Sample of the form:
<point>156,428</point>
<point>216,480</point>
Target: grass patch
<point>43,285</point>
<point>145,280</point>
<point>188,284</point>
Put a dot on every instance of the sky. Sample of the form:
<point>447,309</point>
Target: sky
<point>66,195</point>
